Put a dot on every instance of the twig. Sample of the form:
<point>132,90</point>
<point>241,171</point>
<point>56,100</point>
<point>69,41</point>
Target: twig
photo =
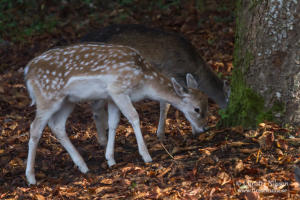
<point>166,150</point>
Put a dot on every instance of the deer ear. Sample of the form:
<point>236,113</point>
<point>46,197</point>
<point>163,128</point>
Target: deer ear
<point>180,91</point>
<point>191,81</point>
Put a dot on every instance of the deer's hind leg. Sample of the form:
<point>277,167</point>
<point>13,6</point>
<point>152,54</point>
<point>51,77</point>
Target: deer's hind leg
<point>57,123</point>
<point>113,122</point>
<point>44,112</point>
<point>100,118</point>
<point>164,108</point>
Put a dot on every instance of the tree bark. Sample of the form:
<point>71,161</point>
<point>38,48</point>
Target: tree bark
<point>266,76</point>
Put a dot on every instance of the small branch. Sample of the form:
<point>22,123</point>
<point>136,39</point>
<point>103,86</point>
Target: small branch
<point>166,150</point>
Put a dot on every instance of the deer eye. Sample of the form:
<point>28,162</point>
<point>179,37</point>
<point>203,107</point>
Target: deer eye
<point>197,110</point>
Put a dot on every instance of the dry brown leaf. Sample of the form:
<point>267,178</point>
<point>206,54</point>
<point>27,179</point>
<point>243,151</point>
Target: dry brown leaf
<point>2,89</point>
<point>202,137</point>
<point>251,134</point>
<point>239,167</point>
<point>237,143</point>
<point>140,195</point>
<point>210,136</point>
<point>107,181</point>
<point>279,152</point>
<point>248,150</point>
<point>238,129</point>
<point>295,186</point>
<point>212,191</point>
<point>262,125</point>
<point>164,172</point>
<point>282,144</point>
<point>207,160</point>
<point>266,140</point>
<point>100,189</point>
<point>295,141</point>
<point>252,196</point>
<point>223,178</point>
<point>263,161</point>
<point>205,152</point>
<point>286,159</point>
<point>40,197</point>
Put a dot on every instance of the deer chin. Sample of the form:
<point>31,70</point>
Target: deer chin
<point>196,131</point>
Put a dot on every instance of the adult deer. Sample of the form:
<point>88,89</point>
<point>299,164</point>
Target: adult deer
<point>60,77</point>
<point>171,54</point>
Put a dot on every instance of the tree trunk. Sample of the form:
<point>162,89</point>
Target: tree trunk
<point>266,78</point>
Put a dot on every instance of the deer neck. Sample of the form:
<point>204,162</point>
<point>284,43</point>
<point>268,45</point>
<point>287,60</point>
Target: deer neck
<point>162,90</point>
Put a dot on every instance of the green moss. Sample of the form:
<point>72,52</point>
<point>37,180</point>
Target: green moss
<point>254,3</point>
<point>246,107</point>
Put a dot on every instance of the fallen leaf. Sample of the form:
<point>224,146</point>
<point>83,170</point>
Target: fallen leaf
<point>164,172</point>
<point>238,129</point>
<point>266,140</point>
<point>251,133</point>
<point>262,125</point>
<point>248,150</point>
<point>107,181</point>
<point>282,144</point>
<point>252,196</point>
<point>279,152</point>
<point>224,178</point>
<point>237,144</point>
<point>212,191</point>
<point>40,197</point>
<point>264,161</point>
<point>100,189</point>
<point>1,89</point>
<point>239,167</point>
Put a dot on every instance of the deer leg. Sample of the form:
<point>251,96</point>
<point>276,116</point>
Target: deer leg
<point>57,123</point>
<point>113,121</point>
<point>164,108</point>
<point>100,118</point>
<point>36,130</point>
<point>124,103</point>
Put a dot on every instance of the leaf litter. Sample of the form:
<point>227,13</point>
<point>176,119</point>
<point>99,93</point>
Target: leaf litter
<point>230,163</point>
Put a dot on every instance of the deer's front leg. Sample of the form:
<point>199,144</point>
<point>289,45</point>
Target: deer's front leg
<point>100,118</point>
<point>113,121</point>
<point>126,107</point>
<point>164,108</point>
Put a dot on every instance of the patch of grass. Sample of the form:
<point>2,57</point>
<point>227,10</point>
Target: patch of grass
<point>20,19</point>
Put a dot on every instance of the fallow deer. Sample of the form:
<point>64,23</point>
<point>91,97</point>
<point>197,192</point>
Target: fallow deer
<point>116,74</point>
<point>171,54</point>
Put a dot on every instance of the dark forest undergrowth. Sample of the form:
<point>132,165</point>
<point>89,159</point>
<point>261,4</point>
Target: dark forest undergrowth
<point>230,163</point>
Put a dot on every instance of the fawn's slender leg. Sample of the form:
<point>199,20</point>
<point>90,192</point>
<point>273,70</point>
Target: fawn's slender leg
<point>164,108</point>
<point>124,103</point>
<point>100,118</point>
<point>36,130</point>
<point>57,123</point>
<point>113,121</point>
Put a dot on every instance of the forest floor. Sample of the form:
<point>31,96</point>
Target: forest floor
<point>222,163</point>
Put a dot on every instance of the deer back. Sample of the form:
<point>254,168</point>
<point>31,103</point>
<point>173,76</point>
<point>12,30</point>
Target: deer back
<point>170,53</point>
